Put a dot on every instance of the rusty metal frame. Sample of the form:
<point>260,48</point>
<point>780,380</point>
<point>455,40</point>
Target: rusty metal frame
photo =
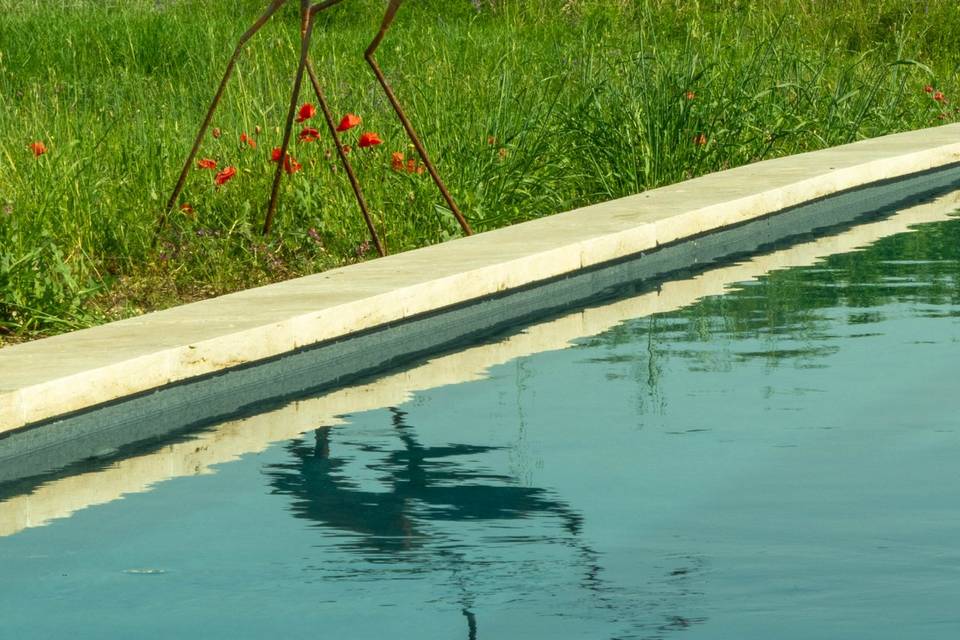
<point>308,11</point>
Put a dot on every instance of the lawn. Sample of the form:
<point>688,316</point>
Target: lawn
<point>528,107</point>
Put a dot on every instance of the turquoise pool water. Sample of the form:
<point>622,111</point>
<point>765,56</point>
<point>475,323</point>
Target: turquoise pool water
<point>777,462</point>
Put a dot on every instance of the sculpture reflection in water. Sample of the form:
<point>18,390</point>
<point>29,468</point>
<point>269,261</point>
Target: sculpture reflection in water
<point>420,492</point>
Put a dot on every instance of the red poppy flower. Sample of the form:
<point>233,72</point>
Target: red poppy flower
<point>309,134</point>
<point>928,89</point>
<point>207,163</point>
<point>689,95</point>
<point>411,165</point>
<point>939,97</point>
<point>275,154</point>
<point>369,139</point>
<point>396,161</point>
<point>349,121</point>
<point>307,111</point>
<point>38,148</point>
<point>250,141</point>
<point>187,208</point>
<point>225,176</point>
<point>290,165</point>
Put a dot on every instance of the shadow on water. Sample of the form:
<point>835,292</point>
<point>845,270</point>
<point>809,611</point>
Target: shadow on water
<point>426,486</point>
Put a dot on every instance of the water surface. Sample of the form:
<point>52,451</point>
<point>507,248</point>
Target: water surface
<point>776,462</point>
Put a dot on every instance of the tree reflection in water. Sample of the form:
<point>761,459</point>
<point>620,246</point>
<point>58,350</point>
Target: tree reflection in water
<point>421,487</point>
<point>425,487</point>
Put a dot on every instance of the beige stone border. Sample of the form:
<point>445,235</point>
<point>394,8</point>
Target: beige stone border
<point>54,376</point>
<point>229,441</point>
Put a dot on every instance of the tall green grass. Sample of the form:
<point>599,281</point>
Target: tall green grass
<point>529,107</point>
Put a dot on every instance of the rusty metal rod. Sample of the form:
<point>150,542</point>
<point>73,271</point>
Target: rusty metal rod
<point>320,6</point>
<point>241,44</point>
<point>357,191</point>
<point>368,55</point>
<point>306,31</point>
<point>331,125</point>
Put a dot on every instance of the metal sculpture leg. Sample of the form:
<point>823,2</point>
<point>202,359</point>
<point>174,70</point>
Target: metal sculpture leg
<point>332,126</point>
<point>306,32</point>
<point>307,11</point>
<point>387,21</point>
<point>262,20</point>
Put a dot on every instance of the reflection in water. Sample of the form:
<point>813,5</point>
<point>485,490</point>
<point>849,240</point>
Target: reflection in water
<point>424,487</point>
<point>789,313</point>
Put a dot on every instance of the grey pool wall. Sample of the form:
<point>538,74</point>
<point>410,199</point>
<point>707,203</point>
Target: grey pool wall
<point>93,391</point>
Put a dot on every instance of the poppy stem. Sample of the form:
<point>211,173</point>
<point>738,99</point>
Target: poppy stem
<point>241,44</point>
<point>387,21</point>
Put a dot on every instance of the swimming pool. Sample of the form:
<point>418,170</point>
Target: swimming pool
<point>777,461</point>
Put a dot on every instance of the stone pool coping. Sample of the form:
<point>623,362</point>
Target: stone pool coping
<point>45,379</point>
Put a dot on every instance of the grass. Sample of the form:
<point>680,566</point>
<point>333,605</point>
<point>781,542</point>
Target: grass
<point>529,107</point>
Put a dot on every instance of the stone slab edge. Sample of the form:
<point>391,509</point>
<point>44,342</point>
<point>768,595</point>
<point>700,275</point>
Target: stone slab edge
<point>52,377</point>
